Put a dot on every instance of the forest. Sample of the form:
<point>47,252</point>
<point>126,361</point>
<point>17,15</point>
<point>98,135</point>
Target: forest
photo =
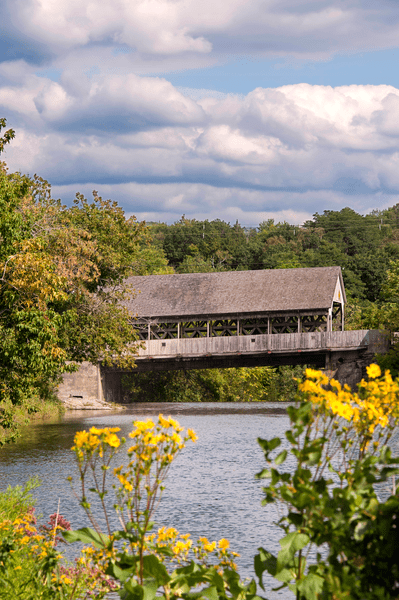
<point>62,284</point>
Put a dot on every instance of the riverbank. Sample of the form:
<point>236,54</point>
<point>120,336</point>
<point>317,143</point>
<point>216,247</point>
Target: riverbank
<point>42,410</point>
<point>85,403</point>
<point>51,410</point>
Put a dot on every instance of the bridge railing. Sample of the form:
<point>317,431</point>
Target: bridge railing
<point>252,344</point>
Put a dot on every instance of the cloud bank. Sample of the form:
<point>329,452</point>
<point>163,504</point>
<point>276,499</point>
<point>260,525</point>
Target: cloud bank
<point>80,83</point>
<point>313,29</point>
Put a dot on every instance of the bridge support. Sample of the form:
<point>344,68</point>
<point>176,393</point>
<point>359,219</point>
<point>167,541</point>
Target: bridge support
<point>350,366</point>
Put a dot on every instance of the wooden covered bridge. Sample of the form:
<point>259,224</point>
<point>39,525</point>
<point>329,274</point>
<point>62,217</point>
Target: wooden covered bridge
<point>238,303</point>
<point>239,318</point>
<point>245,318</point>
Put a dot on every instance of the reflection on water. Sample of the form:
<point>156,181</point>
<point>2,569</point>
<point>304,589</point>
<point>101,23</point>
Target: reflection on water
<point>211,488</point>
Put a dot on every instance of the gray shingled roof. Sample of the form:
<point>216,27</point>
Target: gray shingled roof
<point>234,292</point>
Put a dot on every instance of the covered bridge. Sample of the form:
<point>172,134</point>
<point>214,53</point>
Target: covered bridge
<point>237,319</point>
<point>272,301</point>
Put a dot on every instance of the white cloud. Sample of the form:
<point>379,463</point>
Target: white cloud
<point>297,148</point>
<point>311,30</point>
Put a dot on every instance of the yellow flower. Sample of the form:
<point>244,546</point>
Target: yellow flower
<point>144,425</point>
<point>179,547</point>
<point>176,438</point>
<point>112,440</point>
<point>163,422</point>
<point>24,540</point>
<point>224,544</point>
<point>175,424</point>
<point>203,540</point>
<point>81,438</point>
<point>96,431</point>
<point>210,546</point>
<point>171,532</point>
<point>373,371</point>
<point>192,435</point>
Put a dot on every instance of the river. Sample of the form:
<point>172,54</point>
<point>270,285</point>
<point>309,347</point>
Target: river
<point>211,488</point>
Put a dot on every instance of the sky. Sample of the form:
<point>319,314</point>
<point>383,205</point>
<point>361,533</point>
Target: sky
<point>214,109</point>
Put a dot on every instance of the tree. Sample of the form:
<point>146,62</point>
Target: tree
<point>62,285</point>
<point>220,244</point>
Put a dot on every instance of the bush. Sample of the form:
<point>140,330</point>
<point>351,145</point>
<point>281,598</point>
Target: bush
<point>30,565</point>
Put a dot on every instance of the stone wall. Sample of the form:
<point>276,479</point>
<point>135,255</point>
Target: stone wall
<point>351,367</point>
<point>83,388</point>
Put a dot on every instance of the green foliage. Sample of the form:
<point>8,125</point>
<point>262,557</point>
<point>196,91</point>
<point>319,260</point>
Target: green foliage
<point>150,260</point>
<point>218,245</point>
<point>361,245</point>
<point>256,384</point>
<point>17,501</point>
<point>62,283</point>
<point>330,498</point>
<point>7,135</point>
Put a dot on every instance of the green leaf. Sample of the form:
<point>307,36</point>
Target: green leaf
<point>211,593</point>
<point>313,458</point>
<point>132,591</point>
<point>269,445</point>
<point>87,536</point>
<point>264,474</point>
<point>361,529</point>
<point>154,568</point>
<point>119,573</point>
<point>311,586</point>
<point>290,544</point>
<point>285,575</point>
<point>280,458</point>
<point>264,561</point>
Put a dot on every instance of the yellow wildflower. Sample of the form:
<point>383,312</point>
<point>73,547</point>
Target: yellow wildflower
<point>210,546</point>
<point>224,544</point>
<point>192,435</point>
<point>163,422</point>
<point>179,547</point>
<point>373,371</point>
<point>96,431</point>
<point>176,438</point>
<point>112,440</point>
<point>174,424</point>
<point>144,425</point>
<point>81,438</point>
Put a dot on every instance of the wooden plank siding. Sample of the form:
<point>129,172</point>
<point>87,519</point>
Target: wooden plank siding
<point>283,343</point>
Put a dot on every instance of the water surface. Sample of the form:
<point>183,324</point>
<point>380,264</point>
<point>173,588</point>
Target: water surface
<point>211,489</point>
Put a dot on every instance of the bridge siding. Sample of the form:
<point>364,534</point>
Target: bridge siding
<point>287,342</point>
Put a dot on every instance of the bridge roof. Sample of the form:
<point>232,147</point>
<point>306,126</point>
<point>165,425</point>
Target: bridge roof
<point>235,292</point>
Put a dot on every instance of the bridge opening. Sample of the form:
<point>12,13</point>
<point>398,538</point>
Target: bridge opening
<point>257,384</point>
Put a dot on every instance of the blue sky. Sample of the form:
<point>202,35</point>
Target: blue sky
<point>239,109</point>
<point>242,75</point>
